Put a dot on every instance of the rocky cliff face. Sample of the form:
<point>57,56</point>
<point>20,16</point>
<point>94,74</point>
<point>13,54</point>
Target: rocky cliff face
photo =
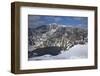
<point>55,35</point>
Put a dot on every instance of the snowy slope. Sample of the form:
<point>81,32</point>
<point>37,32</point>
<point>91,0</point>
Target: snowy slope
<point>76,52</point>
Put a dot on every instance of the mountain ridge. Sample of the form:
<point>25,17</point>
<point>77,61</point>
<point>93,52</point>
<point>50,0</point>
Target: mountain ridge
<point>56,35</point>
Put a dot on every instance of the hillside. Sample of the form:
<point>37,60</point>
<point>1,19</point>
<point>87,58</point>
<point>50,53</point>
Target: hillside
<point>55,35</point>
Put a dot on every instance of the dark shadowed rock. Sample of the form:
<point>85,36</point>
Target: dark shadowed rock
<point>43,51</point>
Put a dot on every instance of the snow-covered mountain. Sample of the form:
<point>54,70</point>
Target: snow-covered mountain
<point>55,35</point>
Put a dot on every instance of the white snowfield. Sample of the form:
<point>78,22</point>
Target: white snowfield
<point>76,52</point>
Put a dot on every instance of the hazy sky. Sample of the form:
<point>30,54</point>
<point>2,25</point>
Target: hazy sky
<point>38,20</point>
